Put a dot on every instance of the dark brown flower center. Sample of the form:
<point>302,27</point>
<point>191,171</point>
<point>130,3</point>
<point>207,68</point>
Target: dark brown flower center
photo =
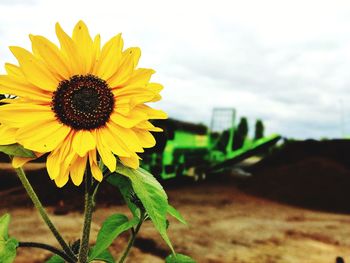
<point>83,102</point>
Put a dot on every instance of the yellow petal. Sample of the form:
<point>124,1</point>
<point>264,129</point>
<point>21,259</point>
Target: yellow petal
<point>155,87</point>
<point>152,113</point>
<point>129,61</point>
<point>35,70</point>
<point>106,154</point>
<point>132,162</point>
<point>14,86</point>
<point>52,56</point>
<point>131,120</point>
<point>62,179</point>
<point>70,51</point>
<point>61,158</point>
<point>122,105</point>
<point>127,136</point>
<point>110,56</point>
<point>67,154</point>
<point>140,77</point>
<point>96,52</point>
<point>146,138</point>
<point>20,161</point>
<point>7,135</point>
<point>42,136</point>
<point>77,170</point>
<point>115,144</point>
<point>137,95</point>
<point>13,70</point>
<point>95,170</point>
<point>83,41</point>
<point>21,114</point>
<point>83,141</point>
<point>53,164</point>
<point>146,125</point>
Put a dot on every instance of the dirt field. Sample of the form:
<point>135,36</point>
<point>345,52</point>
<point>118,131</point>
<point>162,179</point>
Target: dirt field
<point>230,220</point>
<point>226,225</point>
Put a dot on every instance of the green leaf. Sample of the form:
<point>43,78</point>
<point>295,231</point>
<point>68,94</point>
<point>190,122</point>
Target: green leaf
<point>8,249</point>
<point>8,245</point>
<point>4,226</point>
<point>124,185</point>
<point>152,196</point>
<point>55,259</point>
<point>111,228</point>
<point>17,150</point>
<point>176,214</point>
<point>179,258</point>
<point>105,256</point>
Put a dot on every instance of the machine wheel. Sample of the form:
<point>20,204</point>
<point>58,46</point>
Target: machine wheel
<point>196,178</point>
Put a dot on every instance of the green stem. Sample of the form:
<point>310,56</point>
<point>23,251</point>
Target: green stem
<point>84,243</point>
<point>132,239</point>
<point>30,191</point>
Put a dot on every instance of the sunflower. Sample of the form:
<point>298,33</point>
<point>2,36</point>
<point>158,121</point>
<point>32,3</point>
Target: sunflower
<point>80,103</point>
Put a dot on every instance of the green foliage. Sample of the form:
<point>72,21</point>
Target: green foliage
<point>111,228</point>
<point>176,214</point>
<point>8,245</point>
<point>125,187</point>
<point>179,258</point>
<point>152,196</point>
<point>105,256</point>
<point>8,250</point>
<point>259,130</point>
<point>240,133</point>
<point>16,150</point>
<point>4,225</point>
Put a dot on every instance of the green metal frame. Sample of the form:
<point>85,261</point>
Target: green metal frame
<point>187,152</point>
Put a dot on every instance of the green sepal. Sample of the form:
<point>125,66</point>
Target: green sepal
<point>17,150</point>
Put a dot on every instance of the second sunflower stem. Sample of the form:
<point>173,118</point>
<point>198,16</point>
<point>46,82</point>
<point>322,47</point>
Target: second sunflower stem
<point>84,243</point>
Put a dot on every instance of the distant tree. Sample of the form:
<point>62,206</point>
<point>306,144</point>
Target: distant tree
<point>241,133</point>
<point>243,126</point>
<point>259,130</point>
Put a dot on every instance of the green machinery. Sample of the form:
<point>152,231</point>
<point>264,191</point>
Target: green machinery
<point>186,149</point>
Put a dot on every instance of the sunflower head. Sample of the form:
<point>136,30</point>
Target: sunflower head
<point>80,102</point>
<point>83,102</point>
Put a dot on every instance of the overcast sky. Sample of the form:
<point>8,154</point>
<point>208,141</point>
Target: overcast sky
<point>286,62</point>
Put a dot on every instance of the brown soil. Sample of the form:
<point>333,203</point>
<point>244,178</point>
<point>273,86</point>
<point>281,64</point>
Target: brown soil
<point>225,225</point>
<point>264,219</point>
<point>309,174</point>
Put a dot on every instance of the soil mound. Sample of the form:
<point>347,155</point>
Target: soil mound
<point>311,174</point>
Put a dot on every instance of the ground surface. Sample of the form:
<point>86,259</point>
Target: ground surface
<point>230,220</point>
<point>226,225</point>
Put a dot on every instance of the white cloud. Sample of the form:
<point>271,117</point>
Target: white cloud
<point>286,62</point>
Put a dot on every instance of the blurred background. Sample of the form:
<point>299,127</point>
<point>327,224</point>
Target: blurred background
<point>255,154</point>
